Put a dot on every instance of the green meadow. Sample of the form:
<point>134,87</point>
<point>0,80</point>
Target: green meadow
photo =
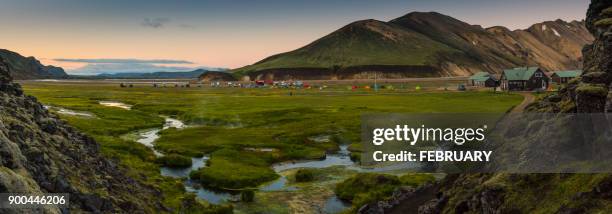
<point>244,131</point>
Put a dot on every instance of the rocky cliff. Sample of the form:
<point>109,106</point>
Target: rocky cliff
<point>590,93</point>
<point>39,153</point>
<point>29,67</point>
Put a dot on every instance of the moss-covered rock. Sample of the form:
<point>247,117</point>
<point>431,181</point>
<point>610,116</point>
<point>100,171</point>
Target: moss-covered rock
<point>41,153</point>
<point>592,90</point>
<point>603,22</point>
<point>416,179</point>
<point>606,12</point>
<point>189,204</point>
<point>595,77</point>
<point>225,171</point>
<point>366,185</point>
<point>305,175</point>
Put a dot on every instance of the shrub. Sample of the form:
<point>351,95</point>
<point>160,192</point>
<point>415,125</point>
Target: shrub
<point>366,183</point>
<point>174,160</point>
<point>247,196</point>
<point>356,157</point>
<point>416,179</point>
<point>304,175</point>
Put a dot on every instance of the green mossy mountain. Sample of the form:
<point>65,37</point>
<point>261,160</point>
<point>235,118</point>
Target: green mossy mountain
<point>424,45</point>
<point>29,67</point>
<point>362,43</point>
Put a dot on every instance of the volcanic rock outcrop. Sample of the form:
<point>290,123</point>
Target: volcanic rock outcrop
<point>39,153</point>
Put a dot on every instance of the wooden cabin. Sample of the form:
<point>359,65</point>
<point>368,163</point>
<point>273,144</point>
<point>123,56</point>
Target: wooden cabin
<point>524,79</point>
<point>561,77</point>
<point>483,79</point>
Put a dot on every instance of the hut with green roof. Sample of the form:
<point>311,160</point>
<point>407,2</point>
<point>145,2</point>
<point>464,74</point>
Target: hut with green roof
<point>483,79</point>
<point>561,77</point>
<point>524,79</point>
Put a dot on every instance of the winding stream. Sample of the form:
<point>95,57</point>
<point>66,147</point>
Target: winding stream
<point>332,204</point>
<point>148,138</point>
<point>65,111</point>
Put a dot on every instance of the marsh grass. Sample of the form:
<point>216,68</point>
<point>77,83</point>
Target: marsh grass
<point>364,188</point>
<point>226,121</point>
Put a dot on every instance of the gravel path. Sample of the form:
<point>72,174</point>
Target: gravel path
<point>529,98</point>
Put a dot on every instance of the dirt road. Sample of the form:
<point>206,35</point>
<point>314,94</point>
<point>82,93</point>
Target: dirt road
<point>528,98</point>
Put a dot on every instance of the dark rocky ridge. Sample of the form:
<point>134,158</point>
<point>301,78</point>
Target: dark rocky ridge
<point>590,93</point>
<point>40,153</point>
<point>22,68</point>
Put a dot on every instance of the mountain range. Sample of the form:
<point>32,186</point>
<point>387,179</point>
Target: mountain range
<point>422,44</point>
<point>21,67</point>
<point>155,75</point>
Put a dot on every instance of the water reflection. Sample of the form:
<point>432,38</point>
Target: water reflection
<point>278,185</point>
<point>342,158</point>
<point>197,163</point>
<point>335,205</point>
<point>213,197</point>
<point>116,104</point>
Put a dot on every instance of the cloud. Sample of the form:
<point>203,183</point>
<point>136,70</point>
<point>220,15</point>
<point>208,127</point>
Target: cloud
<point>112,68</point>
<point>131,65</point>
<point>187,26</point>
<point>126,61</point>
<point>155,22</point>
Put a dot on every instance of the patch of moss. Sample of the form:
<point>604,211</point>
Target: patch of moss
<point>574,81</point>
<point>304,175</point>
<point>227,171</point>
<point>603,22</point>
<point>364,188</point>
<point>189,204</point>
<point>592,89</point>
<point>567,106</point>
<point>416,179</point>
<point>606,12</point>
<point>368,186</point>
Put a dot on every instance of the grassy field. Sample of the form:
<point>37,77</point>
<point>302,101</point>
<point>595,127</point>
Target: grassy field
<point>232,124</point>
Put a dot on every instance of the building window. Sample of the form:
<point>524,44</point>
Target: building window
<point>538,74</point>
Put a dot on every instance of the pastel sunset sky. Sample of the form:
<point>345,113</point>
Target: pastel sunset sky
<point>88,37</point>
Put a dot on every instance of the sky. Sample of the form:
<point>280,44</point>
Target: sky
<point>108,36</point>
